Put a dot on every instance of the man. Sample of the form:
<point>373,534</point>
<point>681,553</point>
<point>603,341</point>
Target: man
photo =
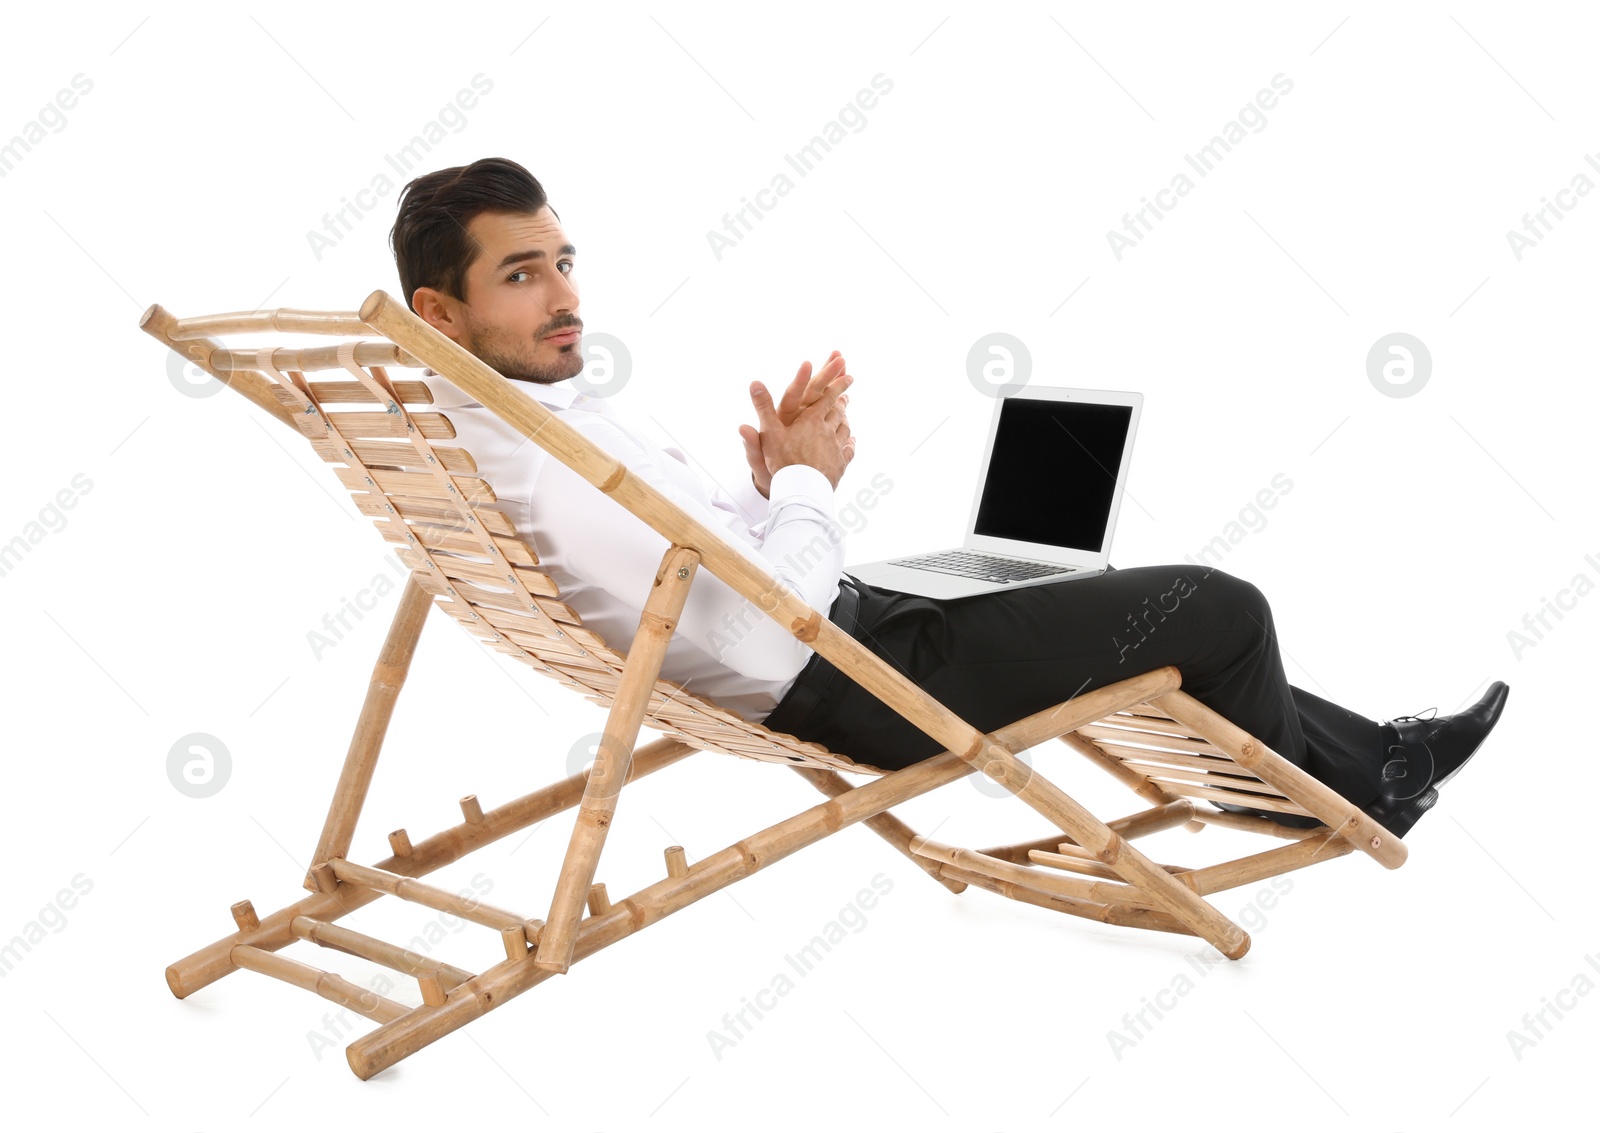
<point>483,258</point>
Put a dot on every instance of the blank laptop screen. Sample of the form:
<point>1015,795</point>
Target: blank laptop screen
<point>1053,472</point>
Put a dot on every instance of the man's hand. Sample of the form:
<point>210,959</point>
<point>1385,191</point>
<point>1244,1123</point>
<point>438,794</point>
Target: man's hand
<point>819,436</point>
<point>803,391</point>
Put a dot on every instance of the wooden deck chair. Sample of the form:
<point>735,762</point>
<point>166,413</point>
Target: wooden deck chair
<point>466,558</point>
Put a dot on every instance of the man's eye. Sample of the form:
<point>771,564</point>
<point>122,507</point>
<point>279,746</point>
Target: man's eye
<point>570,266</point>
<point>512,277</point>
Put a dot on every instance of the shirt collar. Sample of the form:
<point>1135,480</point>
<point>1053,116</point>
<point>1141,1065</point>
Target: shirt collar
<point>557,395</point>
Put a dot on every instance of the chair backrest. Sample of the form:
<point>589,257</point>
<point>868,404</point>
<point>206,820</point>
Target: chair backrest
<point>424,497</point>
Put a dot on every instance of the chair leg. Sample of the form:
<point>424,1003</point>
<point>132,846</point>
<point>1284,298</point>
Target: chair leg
<point>388,677</point>
<point>628,710</point>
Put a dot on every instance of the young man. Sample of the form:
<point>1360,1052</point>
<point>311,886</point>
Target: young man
<point>483,257</point>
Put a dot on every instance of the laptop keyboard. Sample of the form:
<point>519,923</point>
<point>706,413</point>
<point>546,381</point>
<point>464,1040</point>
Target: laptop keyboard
<point>990,568</point>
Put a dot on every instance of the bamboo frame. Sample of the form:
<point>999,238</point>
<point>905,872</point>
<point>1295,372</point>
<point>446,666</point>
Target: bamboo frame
<point>388,675</point>
<point>600,794</point>
<point>1154,738</point>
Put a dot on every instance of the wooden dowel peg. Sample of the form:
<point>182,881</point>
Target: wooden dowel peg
<point>531,929</point>
<point>516,942</point>
<point>599,903</point>
<point>471,809</point>
<point>433,993</point>
<point>324,878</point>
<point>400,843</point>
<point>244,915</point>
<point>677,863</point>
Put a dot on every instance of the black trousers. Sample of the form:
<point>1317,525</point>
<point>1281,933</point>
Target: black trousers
<point>994,658</point>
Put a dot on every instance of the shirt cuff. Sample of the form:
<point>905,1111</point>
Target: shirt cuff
<point>804,481</point>
<point>750,502</point>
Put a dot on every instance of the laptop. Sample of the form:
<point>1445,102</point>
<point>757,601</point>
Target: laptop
<point>1054,471</point>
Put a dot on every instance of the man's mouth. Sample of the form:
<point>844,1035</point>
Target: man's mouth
<point>565,336</point>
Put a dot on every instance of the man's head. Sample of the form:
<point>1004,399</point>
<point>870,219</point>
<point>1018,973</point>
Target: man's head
<point>482,257</point>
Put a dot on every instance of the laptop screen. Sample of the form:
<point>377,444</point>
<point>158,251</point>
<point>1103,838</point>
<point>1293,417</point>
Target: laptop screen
<point>1053,472</point>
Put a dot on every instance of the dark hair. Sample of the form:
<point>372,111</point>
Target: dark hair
<point>429,238</point>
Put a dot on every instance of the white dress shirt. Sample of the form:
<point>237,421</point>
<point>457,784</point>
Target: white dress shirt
<point>604,559</point>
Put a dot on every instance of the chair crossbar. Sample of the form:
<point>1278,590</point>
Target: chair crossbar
<point>339,938</point>
<point>282,319</point>
<point>326,984</point>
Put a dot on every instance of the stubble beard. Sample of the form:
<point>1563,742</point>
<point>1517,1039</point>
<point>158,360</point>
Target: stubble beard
<point>510,356</point>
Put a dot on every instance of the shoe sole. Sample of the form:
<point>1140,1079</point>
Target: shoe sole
<point>1406,817</point>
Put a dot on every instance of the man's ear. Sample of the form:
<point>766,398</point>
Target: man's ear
<point>438,310</point>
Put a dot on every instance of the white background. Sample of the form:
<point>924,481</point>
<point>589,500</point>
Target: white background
<point>1419,532</point>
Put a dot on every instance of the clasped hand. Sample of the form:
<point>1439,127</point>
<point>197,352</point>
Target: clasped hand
<point>807,426</point>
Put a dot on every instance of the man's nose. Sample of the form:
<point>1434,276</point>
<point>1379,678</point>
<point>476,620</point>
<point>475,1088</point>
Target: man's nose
<point>565,300</point>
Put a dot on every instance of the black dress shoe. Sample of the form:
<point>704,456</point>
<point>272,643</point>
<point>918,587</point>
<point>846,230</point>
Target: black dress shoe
<point>1427,754</point>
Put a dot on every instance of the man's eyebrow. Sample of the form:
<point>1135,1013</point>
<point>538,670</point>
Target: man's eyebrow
<point>533,254</point>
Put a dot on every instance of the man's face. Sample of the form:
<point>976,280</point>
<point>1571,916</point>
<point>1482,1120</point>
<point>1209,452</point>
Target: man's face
<point>521,309</point>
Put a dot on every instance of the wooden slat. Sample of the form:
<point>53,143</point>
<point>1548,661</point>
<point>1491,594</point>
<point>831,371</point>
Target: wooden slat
<point>588,672</point>
<point>468,571</point>
<point>545,646</point>
<point>1145,724</point>
<point>588,669</point>
<point>434,426</point>
<point>525,623</point>
<point>557,611</point>
<point>1222,765</point>
<point>1114,767</point>
<point>1224,782</point>
<point>455,539</point>
<point>1195,790</point>
<point>416,510</point>
<point>1151,739</point>
<point>1141,710</point>
<point>327,393</point>
<point>417,485</point>
<point>396,454</point>
<point>476,596</point>
<point>591,671</point>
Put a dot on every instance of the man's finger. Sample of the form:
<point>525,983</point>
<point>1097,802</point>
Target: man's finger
<point>762,400</point>
<point>819,381</point>
<point>825,409</point>
<point>831,392</point>
<point>794,396</point>
<point>831,369</point>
